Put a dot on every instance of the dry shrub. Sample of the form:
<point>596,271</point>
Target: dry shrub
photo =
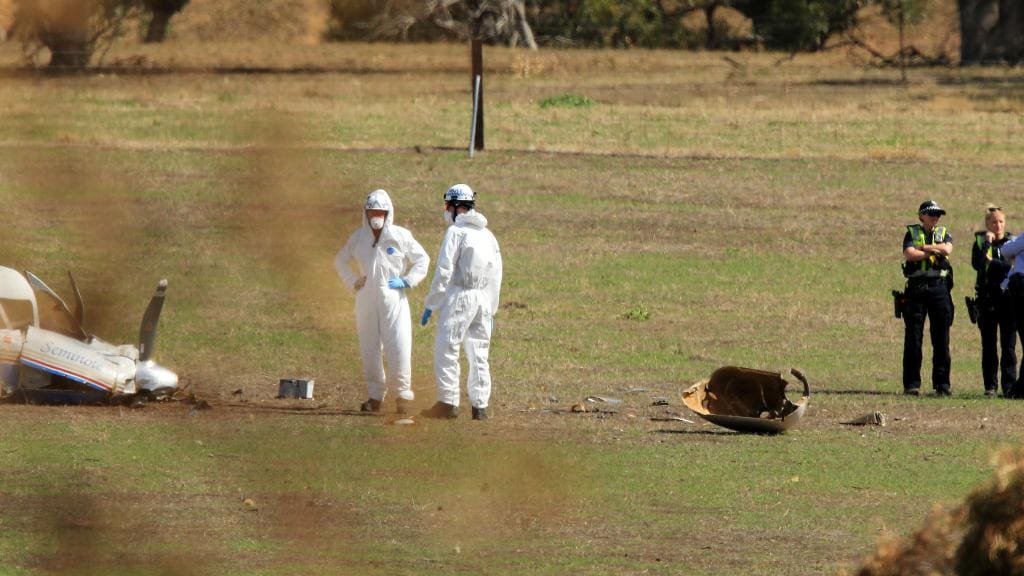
<point>6,17</point>
<point>349,16</point>
<point>70,31</point>
<point>52,15</point>
<point>303,21</point>
<point>929,552</point>
<point>938,34</point>
<point>726,19</point>
<point>982,537</point>
<point>993,541</point>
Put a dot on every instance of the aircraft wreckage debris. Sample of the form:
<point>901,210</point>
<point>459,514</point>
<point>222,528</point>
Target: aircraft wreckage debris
<point>870,419</point>
<point>603,400</point>
<point>670,419</point>
<point>301,388</point>
<point>47,356</point>
<point>747,400</point>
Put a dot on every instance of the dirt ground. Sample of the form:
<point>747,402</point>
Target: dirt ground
<point>648,414</point>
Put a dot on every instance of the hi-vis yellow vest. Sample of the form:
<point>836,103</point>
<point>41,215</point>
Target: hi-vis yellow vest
<point>979,239</point>
<point>919,237</point>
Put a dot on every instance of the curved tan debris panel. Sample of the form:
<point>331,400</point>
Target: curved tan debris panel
<point>747,400</point>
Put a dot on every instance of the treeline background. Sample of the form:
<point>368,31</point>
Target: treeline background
<point>903,32</point>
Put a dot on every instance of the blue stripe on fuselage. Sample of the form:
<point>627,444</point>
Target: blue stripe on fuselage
<point>68,375</point>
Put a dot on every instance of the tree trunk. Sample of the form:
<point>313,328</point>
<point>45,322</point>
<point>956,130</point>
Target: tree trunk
<point>903,46</point>
<point>69,52</point>
<point>157,30</point>
<point>524,25</point>
<point>711,41</point>
<point>161,12</point>
<point>976,18</point>
<point>1012,12</point>
<point>991,31</point>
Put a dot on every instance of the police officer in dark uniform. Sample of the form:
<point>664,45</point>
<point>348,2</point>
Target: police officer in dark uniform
<point>995,308</point>
<point>1014,288</point>
<point>926,248</point>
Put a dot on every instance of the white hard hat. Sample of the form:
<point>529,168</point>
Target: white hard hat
<point>460,193</point>
<point>378,200</point>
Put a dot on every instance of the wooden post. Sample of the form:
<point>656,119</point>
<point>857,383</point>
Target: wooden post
<point>477,60</point>
<point>476,106</point>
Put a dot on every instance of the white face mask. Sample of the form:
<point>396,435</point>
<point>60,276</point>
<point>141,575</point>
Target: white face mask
<point>447,217</point>
<point>376,223</point>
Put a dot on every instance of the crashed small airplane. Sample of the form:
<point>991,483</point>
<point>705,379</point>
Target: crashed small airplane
<point>747,400</point>
<point>46,356</point>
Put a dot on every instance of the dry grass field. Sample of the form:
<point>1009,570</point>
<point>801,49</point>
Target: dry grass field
<point>685,212</point>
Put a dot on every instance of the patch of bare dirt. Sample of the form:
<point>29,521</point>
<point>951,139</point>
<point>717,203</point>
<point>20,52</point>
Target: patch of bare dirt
<point>112,532</point>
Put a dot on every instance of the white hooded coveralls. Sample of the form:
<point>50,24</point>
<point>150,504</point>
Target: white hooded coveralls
<point>465,289</point>
<point>382,313</point>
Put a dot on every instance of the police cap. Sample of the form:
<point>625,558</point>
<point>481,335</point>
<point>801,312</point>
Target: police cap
<point>931,208</point>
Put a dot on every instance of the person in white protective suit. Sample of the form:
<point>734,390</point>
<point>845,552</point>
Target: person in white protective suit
<point>465,291</point>
<point>389,260</point>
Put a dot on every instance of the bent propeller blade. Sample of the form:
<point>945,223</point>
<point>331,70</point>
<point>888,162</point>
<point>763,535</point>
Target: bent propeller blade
<point>79,311</point>
<point>147,332</point>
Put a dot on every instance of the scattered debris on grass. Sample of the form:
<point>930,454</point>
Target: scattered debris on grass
<point>870,419</point>
<point>301,388</point>
<point>671,419</point>
<point>603,400</point>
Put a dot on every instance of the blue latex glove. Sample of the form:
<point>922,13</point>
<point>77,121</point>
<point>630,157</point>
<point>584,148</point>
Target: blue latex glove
<point>426,317</point>
<point>398,283</point>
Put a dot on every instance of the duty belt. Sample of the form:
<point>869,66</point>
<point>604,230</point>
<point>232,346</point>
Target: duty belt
<point>929,278</point>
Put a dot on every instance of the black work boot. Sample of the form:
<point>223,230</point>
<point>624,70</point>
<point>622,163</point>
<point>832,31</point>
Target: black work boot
<point>370,405</point>
<point>479,413</point>
<point>402,405</point>
<point>441,410</point>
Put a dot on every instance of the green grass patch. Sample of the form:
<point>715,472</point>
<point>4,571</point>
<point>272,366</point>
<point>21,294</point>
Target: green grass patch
<point>566,101</point>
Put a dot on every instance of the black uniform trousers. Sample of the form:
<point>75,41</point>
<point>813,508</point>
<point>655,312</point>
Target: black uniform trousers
<point>927,300</point>
<point>998,335</point>
<point>1015,293</point>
